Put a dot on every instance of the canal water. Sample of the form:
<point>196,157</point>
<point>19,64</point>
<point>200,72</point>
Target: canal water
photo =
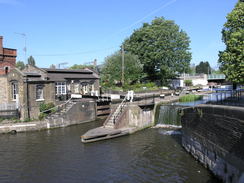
<point>56,156</point>
<point>169,115</point>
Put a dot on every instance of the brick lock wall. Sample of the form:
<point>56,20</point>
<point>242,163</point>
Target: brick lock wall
<point>215,136</point>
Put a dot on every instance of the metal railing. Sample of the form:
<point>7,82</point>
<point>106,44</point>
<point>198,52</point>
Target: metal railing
<point>117,112</point>
<point>57,108</point>
<point>229,97</point>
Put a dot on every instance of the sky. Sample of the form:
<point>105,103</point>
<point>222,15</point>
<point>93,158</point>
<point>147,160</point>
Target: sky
<point>79,31</point>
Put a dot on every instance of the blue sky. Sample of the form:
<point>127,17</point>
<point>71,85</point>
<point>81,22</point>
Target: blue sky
<point>79,31</point>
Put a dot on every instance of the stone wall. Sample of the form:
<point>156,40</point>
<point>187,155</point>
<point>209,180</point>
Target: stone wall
<point>3,90</point>
<point>48,96</point>
<point>214,135</point>
<point>80,112</point>
<point>136,117</point>
<point>17,76</point>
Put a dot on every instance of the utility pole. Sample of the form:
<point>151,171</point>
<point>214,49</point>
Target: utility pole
<point>123,65</point>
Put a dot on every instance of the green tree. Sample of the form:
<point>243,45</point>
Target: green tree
<point>20,65</point>
<point>77,66</point>
<point>31,61</point>
<point>162,48</point>
<point>232,58</point>
<point>112,72</point>
<point>203,68</point>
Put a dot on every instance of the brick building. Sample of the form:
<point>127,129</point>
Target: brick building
<point>32,86</point>
<point>7,63</point>
<point>7,58</point>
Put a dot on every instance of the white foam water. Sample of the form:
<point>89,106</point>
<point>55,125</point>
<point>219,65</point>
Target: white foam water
<point>170,132</point>
<point>166,126</point>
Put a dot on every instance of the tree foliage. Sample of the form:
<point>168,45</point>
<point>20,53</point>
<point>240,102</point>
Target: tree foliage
<point>112,69</point>
<point>232,58</point>
<point>20,65</point>
<point>188,82</point>
<point>203,68</point>
<point>31,61</point>
<point>162,48</point>
<point>77,66</point>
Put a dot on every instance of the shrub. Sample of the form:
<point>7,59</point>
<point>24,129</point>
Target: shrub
<point>188,82</point>
<point>44,107</point>
<point>42,116</point>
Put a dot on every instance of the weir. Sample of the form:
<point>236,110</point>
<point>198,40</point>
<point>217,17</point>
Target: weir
<point>170,115</point>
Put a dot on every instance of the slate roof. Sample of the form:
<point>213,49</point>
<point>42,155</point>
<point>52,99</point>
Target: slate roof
<point>81,71</point>
<point>64,74</point>
<point>56,75</point>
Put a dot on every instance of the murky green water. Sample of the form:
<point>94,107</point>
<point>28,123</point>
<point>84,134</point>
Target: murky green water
<point>58,156</point>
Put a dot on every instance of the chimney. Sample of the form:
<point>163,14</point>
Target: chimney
<point>1,45</point>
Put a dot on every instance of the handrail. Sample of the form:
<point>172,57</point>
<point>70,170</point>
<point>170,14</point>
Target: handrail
<point>61,105</point>
<point>117,112</point>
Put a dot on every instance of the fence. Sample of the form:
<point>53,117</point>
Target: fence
<point>229,97</point>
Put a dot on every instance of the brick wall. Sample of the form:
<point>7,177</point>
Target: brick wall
<point>7,58</point>
<point>48,96</point>
<point>214,135</point>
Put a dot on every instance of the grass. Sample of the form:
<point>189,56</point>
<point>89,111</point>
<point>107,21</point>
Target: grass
<point>190,98</point>
<point>135,87</point>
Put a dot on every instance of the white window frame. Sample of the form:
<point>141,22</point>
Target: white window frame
<point>14,90</point>
<point>60,88</point>
<point>39,92</point>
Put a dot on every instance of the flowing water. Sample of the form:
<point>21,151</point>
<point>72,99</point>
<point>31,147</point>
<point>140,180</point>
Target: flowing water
<point>152,155</point>
<point>57,156</point>
<point>169,115</point>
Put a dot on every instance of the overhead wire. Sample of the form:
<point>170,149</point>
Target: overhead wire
<point>111,35</point>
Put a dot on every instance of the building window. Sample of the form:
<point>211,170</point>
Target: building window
<point>60,88</point>
<point>14,87</point>
<point>39,92</point>
<point>6,69</point>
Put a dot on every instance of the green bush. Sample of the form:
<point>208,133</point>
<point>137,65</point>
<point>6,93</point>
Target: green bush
<point>189,98</point>
<point>44,107</point>
<point>42,116</point>
<point>188,82</point>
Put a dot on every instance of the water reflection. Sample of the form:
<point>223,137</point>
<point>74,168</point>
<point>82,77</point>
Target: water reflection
<point>59,156</point>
